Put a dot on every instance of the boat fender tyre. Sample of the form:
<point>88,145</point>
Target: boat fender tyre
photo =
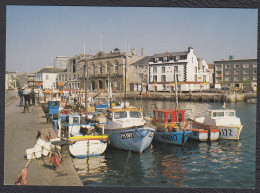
<point>143,135</point>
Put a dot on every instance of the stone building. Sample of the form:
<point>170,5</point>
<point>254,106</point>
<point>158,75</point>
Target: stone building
<point>61,62</point>
<point>236,73</point>
<point>11,80</point>
<point>26,79</point>
<point>75,72</point>
<point>112,66</point>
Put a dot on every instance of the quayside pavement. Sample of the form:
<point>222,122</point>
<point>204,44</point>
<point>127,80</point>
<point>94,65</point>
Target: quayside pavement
<point>20,134</point>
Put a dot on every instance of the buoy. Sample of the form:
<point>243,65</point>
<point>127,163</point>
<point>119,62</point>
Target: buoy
<point>100,102</point>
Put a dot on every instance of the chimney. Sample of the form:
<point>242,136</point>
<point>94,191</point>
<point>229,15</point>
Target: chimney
<point>142,52</point>
<point>133,52</point>
<point>190,49</point>
<point>231,57</point>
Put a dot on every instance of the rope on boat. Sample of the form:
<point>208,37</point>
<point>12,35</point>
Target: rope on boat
<point>126,163</point>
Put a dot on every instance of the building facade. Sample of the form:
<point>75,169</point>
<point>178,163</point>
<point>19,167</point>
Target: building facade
<point>47,78</point>
<point>26,79</point>
<point>236,73</point>
<point>11,80</point>
<point>61,62</point>
<point>111,67</point>
<point>139,69</point>
<point>192,73</point>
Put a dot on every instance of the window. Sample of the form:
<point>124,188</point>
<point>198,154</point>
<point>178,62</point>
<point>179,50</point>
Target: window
<point>245,78</point>
<point>135,66</point>
<point>163,69</point>
<point>156,60</point>
<point>236,65</point>
<point>107,68</point>
<point>254,71</point>
<point>135,114</point>
<point>76,120</point>
<point>120,115</point>
<point>141,66</point>
<point>163,117</point>
<point>180,117</point>
<point>236,78</point>
<point>116,68</point>
<point>160,115</point>
<point>116,83</point>
<point>227,66</point>
<point>218,67</point>
<point>227,78</point>
<point>254,77</point>
<point>169,118</point>
<point>154,78</point>
<point>230,114</point>
<point>254,65</point>
<point>156,116</point>
<point>47,77</point>
<point>245,65</point>
<point>100,69</point>
<point>93,69</point>
<point>227,72</point>
<point>196,69</point>
<point>176,69</point>
<point>218,114</point>
<point>163,78</point>
<point>165,59</point>
<point>236,72</point>
<point>154,70</point>
<point>245,71</point>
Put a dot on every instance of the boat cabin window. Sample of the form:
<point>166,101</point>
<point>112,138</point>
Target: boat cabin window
<point>135,114</point>
<point>109,115</point>
<point>230,114</point>
<point>54,104</point>
<point>75,120</point>
<point>120,115</point>
<point>156,116</point>
<point>218,114</point>
<point>162,117</point>
<point>169,118</point>
<point>180,117</point>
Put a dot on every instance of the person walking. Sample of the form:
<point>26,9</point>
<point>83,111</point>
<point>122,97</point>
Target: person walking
<point>20,93</point>
<point>33,96</point>
<point>26,96</point>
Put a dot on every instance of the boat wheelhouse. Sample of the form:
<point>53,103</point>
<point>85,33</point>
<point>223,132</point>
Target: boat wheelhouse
<point>171,126</point>
<point>127,129</point>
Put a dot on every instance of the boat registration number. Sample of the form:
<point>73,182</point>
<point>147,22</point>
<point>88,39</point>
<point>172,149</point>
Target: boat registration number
<point>126,135</point>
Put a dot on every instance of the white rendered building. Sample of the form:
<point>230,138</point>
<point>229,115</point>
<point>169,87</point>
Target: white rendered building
<point>47,78</point>
<point>192,73</point>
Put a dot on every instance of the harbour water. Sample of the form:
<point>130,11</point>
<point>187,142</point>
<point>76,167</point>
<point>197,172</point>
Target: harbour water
<point>220,164</point>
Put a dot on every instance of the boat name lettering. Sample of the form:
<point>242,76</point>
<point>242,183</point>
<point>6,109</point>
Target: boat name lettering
<point>126,135</point>
<point>169,137</point>
<point>226,132</point>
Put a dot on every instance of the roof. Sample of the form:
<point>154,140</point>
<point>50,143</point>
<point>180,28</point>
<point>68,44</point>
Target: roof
<point>49,70</point>
<point>168,110</point>
<point>234,60</point>
<point>170,54</point>
<point>144,60</point>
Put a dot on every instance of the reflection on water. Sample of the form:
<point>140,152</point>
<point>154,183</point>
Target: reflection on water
<point>219,164</point>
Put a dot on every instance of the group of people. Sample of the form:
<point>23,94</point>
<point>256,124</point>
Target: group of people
<point>27,96</point>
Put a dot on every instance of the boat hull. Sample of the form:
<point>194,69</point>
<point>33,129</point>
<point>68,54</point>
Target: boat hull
<point>133,139</point>
<point>87,148</point>
<point>176,138</point>
<point>203,134</point>
<point>226,132</point>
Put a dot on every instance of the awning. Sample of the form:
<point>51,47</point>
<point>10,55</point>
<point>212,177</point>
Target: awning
<point>60,84</point>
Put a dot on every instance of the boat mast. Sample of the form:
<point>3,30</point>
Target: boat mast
<point>86,84</point>
<point>176,94</point>
<point>125,82</point>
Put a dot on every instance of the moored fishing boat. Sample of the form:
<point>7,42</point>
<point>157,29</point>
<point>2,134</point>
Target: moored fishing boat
<point>171,126</point>
<point>224,120</point>
<point>83,140</point>
<point>127,129</point>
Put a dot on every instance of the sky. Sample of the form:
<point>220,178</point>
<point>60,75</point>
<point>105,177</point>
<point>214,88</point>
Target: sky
<point>35,35</point>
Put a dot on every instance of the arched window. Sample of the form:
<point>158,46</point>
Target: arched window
<point>93,85</point>
<point>100,84</point>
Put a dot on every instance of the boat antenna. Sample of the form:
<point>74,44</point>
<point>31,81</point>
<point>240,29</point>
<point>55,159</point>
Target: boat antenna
<point>86,89</point>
